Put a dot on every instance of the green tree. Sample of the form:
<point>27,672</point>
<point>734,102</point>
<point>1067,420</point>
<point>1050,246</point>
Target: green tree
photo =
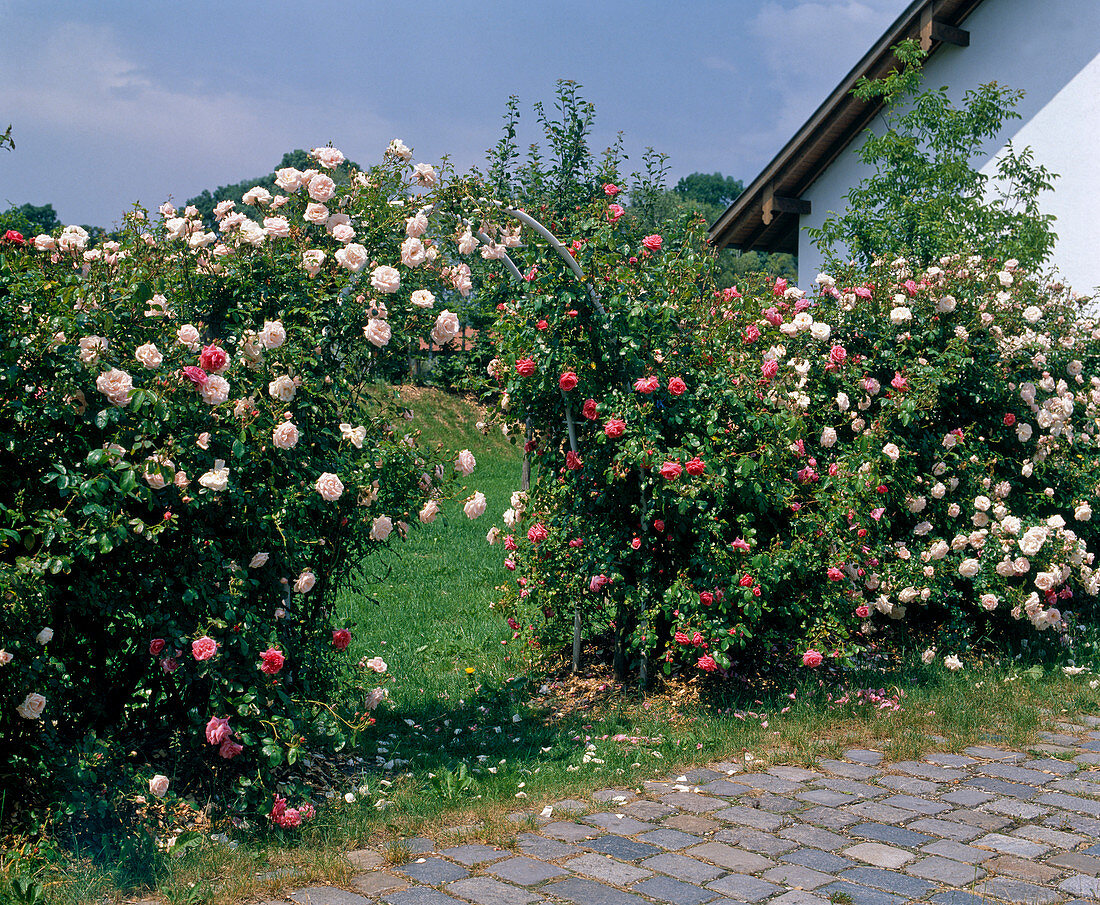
<point>926,198</point>
<point>30,219</point>
<point>712,189</point>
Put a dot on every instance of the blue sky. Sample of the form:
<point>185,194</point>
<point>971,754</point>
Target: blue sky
<point>116,102</point>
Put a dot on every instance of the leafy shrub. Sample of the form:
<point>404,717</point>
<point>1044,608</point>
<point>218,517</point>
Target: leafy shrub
<point>760,471</point>
<point>189,468</point>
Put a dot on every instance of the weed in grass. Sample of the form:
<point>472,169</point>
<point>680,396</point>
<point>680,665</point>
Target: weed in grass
<point>840,898</point>
<point>397,853</point>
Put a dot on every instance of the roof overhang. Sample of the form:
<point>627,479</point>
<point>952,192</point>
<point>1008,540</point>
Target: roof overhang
<point>765,216</point>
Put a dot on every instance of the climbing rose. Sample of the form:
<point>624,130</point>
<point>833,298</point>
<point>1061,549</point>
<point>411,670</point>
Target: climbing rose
<point>671,470</point>
<point>537,533</point>
<point>273,661</point>
<point>695,466</point>
<point>204,648</point>
<point>341,638</point>
<point>769,369</point>
<point>525,367</point>
<point>812,658</point>
<point>329,486</point>
<point>465,463</point>
<point>614,428</point>
<point>213,359</point>
<point>652,243</point>
<point>706,663</point>
<point>217,730</point>
<point>676,386</point>
<point>647,384</point>
<point>568,381</point>
<point>589,409</point>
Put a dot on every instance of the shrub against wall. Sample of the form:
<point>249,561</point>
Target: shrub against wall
<point>771,470</point>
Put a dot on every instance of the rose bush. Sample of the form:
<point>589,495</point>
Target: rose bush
<point>743,472</point>
<point>190,467</point>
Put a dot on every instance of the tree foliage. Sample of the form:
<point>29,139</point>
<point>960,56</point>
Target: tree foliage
<point>926,197</point>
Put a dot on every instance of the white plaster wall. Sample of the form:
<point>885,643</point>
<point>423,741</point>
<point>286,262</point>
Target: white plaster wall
<point>1050,49</point>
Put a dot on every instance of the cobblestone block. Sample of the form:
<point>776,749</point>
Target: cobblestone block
<point>1080,885</point>
<point>755,841</point>
<point>568,831</point>
<point>731,858</point>
<point>644,809</point>
<point>1013,807</point>
<point>474,854</point>
<point>1017,891</point>
<point>910,785</point>
<point>376,882</point>
<point>414,895</point>
<point>889,880</point>
<point>858,895</point>
<point>745,889</point>
<point>1079,862</point>
<point>487,891</point>
<point>684,868</point>
<point>669,839</point>
<point>622,848</point>
<point>934,772</point>
<point>915,804</point>
<point>894,835</point>
<point>814,837</point>
<point>946,871</point>
<point>755,817</point>
<point>852,771</point>
<point>863,756</point>
<point>957,851</point>
<point>432,871</point>
<point>548,849</point>
<point>832,818</point>
<point>797,876</point>
<point>828,797</point>
<point>601,867</point>
<point>823,861</point>
<point>879,855</point>
<point>588,892</point>
<point>675,892</point>
<point>693,802</point>
<point>948,829</point>
<point>1022,869</point>
<point>525,871</point>
<point>967,798</point>
<point>619,823</point>
<point>1011,845</point>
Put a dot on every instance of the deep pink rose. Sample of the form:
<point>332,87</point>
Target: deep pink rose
<point>537,533</point>
<point>525,367</point>
<point>695,466</point>
<point>614,427</point>
<point>169,665</point>
<point>217,730</point>
<point>196,375</point>
<point>677,387</point>
<point>611,190</point>
<point>769,369</point>
<point>568,381</point>
<point>773,317</point>
<point>16,238</point>
<point>706,663</point>
<point>652,243</point>
<point>572,461</point>
<point>812,658</point>
<point>213,359</point>
<point>752,333</point>
<point>838,355</point>
<point>863,611</point>
<point>341,638</point>
<point>647,385</point>
<point>616,211</point>
<point>706,598</point>
<point>589,410</point>
<point>272,661</point>
<point>835,574</point>
<point>204,648</point>
<point>156,646</point>
<point>671,470</point>
<point>230,749</point>
<point>1009,419</point>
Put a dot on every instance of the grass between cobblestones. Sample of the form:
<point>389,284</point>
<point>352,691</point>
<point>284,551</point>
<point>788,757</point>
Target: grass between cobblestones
<point>473,736</point>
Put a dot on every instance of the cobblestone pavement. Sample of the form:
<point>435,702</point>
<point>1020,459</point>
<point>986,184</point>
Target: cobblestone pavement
<point>989,825</point>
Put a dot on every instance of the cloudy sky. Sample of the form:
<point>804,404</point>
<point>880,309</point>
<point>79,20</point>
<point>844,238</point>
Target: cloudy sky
<point>119,101</point>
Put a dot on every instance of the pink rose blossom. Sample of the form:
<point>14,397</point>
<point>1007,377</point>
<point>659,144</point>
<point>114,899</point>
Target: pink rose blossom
<point>217,730</point>
<point>204,648</point>
<point>812,658</point>
<point>272,661</point>
<point>341,638</point>
<point>230,749</point>
<point>652,243</point>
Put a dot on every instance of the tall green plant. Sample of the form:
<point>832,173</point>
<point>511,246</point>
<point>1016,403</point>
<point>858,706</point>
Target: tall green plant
<point>926,197</point>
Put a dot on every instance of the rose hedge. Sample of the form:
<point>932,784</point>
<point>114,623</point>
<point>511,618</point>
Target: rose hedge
<point>190,467</point>
<point>767,469</point>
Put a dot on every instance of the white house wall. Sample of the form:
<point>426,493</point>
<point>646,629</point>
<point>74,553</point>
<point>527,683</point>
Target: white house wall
<point>1050,49</point>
